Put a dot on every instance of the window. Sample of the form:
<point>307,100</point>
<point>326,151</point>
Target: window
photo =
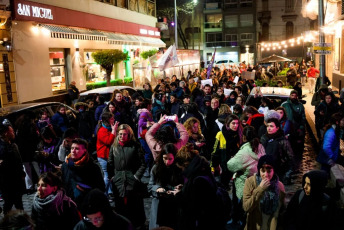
<point>265,32</point>
<point>246,38</point>
<point>289,30</point>
<point>246,3</point>
<point>231,37</point>
<point>231,4</point>
<point>231,21</point>
<point>213,21</point>
<point>289,5</point>
<point>57,69</point>
<point>213,37</point>
<point>246,20</point>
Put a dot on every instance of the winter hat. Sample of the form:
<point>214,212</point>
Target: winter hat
<point>293,92</point>
<point>271,114</point>
<point>266,160</point>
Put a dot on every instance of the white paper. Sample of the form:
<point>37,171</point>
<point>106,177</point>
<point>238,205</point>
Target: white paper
<point>207,82</point>
<point>227,91</point>
<point>236,79</point>
<point>196,79</point>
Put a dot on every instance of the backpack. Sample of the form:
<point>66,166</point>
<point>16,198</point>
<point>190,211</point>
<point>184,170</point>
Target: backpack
<point>224,201</point>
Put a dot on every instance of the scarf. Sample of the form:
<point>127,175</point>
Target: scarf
<point>232,140</point>
<point>107,127</point>
<point>161,104</point>
<point>83,160</point>
<point>275,135</point>
<point>270,200</point>
<point>249,121</point>
<point>52,203</point>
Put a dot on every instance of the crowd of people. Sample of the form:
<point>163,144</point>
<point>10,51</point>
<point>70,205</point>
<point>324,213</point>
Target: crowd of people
<point>192,141</point>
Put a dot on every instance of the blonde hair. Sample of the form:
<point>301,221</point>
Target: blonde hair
<point>189,123</point>
<point>125,93</point>
<point>224,109</point>
<point>130,132</point>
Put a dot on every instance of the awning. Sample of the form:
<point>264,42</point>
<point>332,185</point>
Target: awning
<point>65,32</point>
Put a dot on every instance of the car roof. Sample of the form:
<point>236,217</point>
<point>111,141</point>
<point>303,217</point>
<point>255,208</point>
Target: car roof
<point>105,90</point>
<point>272,91</point>
<point>17,108</point>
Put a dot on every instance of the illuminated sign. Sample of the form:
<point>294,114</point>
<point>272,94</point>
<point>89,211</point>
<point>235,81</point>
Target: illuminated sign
<point>34,11</point>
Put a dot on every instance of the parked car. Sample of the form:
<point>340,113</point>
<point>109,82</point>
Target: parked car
<point>106,92</point>
<point>277,95</point>
<point>12,113</point>
<point>226,63</point>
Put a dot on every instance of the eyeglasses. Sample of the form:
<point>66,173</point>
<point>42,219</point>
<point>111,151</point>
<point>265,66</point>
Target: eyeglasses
<point>95,220</point>
<point>267,169</point>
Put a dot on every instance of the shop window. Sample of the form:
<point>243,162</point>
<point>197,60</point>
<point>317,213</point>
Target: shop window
<point>231,21</point>
<point>289,30</point>
<point>57,69</point>
<point>94,72</point>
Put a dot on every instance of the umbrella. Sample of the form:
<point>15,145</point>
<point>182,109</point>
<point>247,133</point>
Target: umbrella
<point>274,58</point>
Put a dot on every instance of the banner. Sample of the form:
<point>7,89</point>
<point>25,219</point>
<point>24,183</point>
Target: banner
<point>210,66</point>
<point>169,59</point>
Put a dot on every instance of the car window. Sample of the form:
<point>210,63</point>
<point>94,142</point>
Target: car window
<point>220,62</point>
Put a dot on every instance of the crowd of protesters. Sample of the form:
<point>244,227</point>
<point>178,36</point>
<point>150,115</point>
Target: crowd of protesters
<point>191,140</point>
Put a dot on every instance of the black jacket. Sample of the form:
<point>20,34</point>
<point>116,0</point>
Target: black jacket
<point>124,164</point>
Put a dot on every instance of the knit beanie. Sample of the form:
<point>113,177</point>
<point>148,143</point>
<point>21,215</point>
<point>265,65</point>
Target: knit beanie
<point>265,160</point>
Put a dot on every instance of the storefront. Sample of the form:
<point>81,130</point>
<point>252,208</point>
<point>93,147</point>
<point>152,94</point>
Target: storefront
<point>53,46</point>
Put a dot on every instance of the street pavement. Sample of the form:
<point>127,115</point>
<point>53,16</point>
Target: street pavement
<point>307,163</point>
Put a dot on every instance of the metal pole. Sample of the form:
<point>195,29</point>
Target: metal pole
<point>322,66</point>
<point>175,24</point>
<point>193,27</point>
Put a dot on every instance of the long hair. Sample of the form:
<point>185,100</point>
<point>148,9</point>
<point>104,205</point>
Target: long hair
<point>284,113</point>
<point>189,123</point>
<point>231,118</point>
<point>334,120</point>
<point>130,132</point>
<point>224,109</point>
<point>250,109</point>
<point>251,136</point>
<point>161,168</point>
<point>116,91</point>
<point>106,116</point>
<point>110,103</point>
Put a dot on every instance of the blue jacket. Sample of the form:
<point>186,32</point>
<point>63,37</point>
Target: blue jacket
<point>330,147</point>
<point>179,93</point>
<point>60,122</point>
<point>98,112</point>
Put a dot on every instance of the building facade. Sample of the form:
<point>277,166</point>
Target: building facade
<point>230,27</point>
<point>53,42</point>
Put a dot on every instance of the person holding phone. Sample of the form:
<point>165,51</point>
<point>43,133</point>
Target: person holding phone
<point>263,196</point>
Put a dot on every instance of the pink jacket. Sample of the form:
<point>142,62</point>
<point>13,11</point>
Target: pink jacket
<point>155,146</point>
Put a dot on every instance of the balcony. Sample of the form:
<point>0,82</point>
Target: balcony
<point>220,44</point>
<point>264,16</point>
<point>213,26</point>
<point>213,7</point>
<point>147,7</point>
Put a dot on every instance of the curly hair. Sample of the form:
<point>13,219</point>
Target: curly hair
<point>224,109</point>
<point>165,135</point>
<point>189,123</point>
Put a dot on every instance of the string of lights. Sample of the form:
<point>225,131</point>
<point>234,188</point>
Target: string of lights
<point>310,36</point>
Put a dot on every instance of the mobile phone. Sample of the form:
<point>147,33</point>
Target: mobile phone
<point>171,118</point>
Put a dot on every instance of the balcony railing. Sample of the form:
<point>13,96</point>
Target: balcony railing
<point>208,25</point>
<point>221,44</point>
<point>147,7</point>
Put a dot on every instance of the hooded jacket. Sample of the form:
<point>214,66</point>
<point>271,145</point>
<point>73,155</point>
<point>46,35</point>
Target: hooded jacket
<point>313,211</point>
<point>295,113</point>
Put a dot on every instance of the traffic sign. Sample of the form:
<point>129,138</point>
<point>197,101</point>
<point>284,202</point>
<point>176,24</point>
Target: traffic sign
<point>322,48</point>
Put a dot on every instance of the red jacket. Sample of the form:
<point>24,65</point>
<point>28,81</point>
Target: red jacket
<point>104,141</point>
<point>311,72</point>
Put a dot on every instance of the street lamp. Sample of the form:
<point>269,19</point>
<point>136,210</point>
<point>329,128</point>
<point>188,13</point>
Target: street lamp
<point>193,26</point>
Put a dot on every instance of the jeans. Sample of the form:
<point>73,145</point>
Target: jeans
<point>103,165</point>
<point>28,171</point>
<point>148,153</point>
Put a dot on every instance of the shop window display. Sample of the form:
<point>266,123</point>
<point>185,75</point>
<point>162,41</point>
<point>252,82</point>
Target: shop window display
<point>57,70</point>
<point>93,71</point>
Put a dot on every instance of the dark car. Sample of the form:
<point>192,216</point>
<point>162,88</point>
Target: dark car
<point>12,113</point>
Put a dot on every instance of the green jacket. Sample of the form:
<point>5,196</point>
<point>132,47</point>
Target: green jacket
<point>295,113</point>
<point>244,164</point>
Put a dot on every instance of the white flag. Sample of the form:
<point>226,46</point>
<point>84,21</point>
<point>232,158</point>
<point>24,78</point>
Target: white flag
<point>169,59</point>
